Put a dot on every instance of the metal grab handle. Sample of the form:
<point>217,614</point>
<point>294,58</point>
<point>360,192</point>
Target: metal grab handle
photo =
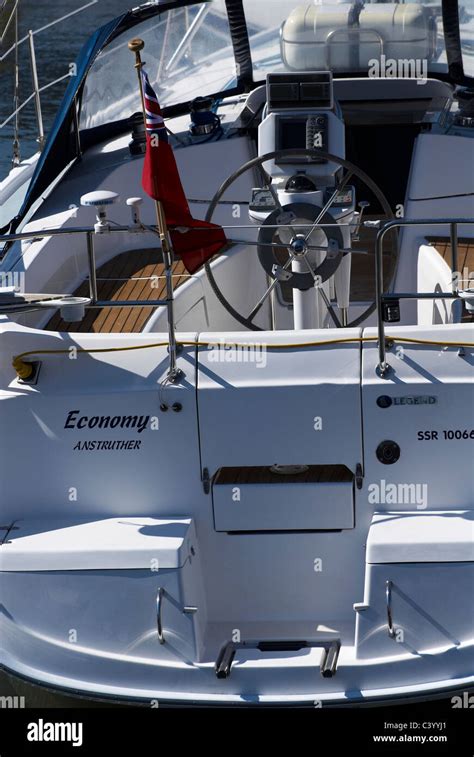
<point>329,659</point>
<point>388,598</point>
<point>353,36</point>
<point>383,368</point>
<point>174,373</point>
<point>159,612</point>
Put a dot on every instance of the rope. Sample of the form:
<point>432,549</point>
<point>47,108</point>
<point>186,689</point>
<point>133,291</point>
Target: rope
<point>24,370</point>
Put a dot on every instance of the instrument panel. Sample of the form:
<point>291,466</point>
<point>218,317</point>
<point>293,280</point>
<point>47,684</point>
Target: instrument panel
<point>301,113</point>
<point>306,91</point>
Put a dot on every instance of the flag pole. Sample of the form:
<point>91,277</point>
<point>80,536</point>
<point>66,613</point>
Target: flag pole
<point>136,45</point>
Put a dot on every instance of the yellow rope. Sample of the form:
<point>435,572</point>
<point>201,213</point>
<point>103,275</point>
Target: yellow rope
<point>24,370</point>
<point>432,342</point>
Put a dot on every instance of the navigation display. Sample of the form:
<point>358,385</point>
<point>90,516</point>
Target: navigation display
<point>310,131</point>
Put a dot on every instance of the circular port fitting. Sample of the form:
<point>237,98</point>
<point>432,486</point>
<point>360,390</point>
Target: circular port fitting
<point>384,401</point>
<point>388,452</point>
<point>73,309</point>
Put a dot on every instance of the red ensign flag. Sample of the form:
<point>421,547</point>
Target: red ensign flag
<point>160,179</point>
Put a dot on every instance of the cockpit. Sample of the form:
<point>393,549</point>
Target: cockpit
<point>221,49</point>
<point>210,47</point>
<point>294,129</point>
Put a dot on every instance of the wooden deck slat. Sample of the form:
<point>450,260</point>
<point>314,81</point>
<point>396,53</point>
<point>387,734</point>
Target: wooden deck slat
<point>179,276</point>
<point>121,290</point>
<point>94,317</point>
<point>136,267</point>
<point>126,321</point>
<point>128,290</point>
<point>465,261</point>
<point>113,269</point>
<point>131,266</point>
<point>264,475</point>
<point>363,266</point>
<point>465,251</point>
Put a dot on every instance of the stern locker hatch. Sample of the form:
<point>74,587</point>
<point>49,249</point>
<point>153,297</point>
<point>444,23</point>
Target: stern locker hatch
<point>267,406</point>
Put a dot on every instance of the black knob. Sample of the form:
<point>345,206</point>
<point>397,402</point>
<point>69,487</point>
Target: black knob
<point>388,452</point>
<point>201,103</point>
<point>177,407</point>
<point>300,183</point>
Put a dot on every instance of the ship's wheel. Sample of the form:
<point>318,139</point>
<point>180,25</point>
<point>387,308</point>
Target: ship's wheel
<point>322,233</point>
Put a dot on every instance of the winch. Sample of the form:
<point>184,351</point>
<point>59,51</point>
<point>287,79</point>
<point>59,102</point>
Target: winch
<point>204,122</point>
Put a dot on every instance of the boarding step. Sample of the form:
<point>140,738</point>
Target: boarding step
<point>329,658</point>
<point>132,578</point>
<point>418,566</point>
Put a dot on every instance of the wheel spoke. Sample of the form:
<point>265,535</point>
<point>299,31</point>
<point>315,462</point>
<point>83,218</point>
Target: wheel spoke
<point>253,243</point>
<point>267,180</point>
<point>270,289</point>
<point>303,229</point>
<point>318,248</point>
<point>308,266</point>
<point>344,250</point>
<point>339,187</point>
<point>323,294</point>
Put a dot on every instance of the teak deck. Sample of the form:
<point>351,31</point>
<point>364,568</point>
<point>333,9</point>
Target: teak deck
<point>465,262</point>
<point>126,277</point>
<point>139,275</point>
<point>265,475</point>
<point>465,254</point>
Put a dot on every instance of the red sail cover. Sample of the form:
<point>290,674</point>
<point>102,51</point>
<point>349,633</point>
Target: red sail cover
<point>161,180</point>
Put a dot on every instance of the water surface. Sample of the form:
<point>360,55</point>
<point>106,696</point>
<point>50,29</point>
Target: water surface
<point>56,48</point>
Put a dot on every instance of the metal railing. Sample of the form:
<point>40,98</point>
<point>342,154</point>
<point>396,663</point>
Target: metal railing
<point>381,297</point>
<point>350,37</point>
<point>35,96</point>
<point>173,373</point>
